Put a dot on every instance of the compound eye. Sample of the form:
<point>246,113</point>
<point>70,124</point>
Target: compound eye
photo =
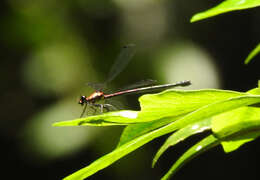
<point>82,100</point>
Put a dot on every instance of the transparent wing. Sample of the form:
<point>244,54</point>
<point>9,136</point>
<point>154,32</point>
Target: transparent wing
<point>118,105</point>
<point>121,62</point>
<point>142,83</point>
<point>96,86</point>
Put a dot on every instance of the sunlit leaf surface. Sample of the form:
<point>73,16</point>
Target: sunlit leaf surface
<point>173,102</point>
<point>106,119</point>
<point>180,109</point>
<point>237,127</point>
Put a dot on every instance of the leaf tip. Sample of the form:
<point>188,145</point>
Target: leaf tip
<point>247,61</point>
<point>153,162</point>
<point>193,19</point>
<point>55,124</point>
<point>155,159</point>
<point>59,124</point>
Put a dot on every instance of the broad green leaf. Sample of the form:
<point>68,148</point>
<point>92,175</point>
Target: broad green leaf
<point>181,135</point>
<point>226,6</point>
<point>252,54</point>
<point>237,127</point>
<point>202,146</point>
<point>200,114</point>
<point>217,108</point>
<point>174,103</point>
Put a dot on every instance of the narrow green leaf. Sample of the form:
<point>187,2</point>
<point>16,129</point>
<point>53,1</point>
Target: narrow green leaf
<point>202,146</point>
<point>106,119</point>
<point>226,6</point>
<point>252,54</point>
<point>181,135</point>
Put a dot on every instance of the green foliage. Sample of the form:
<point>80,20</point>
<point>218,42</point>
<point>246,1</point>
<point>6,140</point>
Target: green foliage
<point>226,6</point>
<point>200,147</point>
<point>182,113</point>
<point>252,54</point>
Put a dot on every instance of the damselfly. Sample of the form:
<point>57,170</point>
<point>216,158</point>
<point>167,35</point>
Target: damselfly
<point>120,63</point>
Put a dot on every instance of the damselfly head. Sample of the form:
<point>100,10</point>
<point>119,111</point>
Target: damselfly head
<point>82,100</point>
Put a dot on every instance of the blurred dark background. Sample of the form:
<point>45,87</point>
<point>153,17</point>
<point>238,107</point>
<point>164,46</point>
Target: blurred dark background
<point>51,49</point>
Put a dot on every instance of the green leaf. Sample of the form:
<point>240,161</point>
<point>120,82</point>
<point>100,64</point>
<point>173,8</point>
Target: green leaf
<point>204,145</point>
<point>134,130</point>
<point>252,54</point>
<point>106,119</point>
<point>174,103</point>
<point>226,6</point>
<point>117,154</point>
<point>195,116</point>
<point>217,108</point>
<point>177,102</point>
<point>230,146</point>
<point>255,91</point>
<point>207,112</point>
<point>181,135</point>
<point>237,127</point>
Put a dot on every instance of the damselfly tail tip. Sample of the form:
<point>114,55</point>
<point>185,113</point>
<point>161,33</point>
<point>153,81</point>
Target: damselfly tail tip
<point>129,45</point>
<point>185,83</point>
